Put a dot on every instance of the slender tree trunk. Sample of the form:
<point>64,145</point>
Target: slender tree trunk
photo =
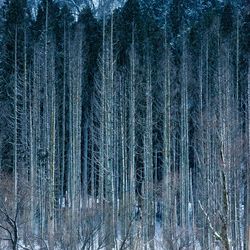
<point>248,167</point>
<point>132,176</point>
<point>15,120</point>
<point>166,143</point>
<point>184,146</point>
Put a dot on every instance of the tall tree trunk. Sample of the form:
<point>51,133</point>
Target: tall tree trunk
<point>184,164</point>
<point>15,120</point>
<point>248,167</point>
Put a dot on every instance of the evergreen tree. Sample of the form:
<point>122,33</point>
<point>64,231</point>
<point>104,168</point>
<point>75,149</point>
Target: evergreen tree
<point>227,20</point>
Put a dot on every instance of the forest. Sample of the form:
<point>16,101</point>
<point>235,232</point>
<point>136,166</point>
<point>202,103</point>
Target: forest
<point>125,125</point>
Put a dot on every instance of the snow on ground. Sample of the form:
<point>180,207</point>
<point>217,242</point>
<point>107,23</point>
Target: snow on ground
<point>159,241</point>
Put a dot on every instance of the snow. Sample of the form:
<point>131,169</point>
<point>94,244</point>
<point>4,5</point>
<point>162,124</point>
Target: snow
<point>159,241</point>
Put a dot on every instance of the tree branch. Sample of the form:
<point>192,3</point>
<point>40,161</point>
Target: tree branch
<point>216,234</point>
